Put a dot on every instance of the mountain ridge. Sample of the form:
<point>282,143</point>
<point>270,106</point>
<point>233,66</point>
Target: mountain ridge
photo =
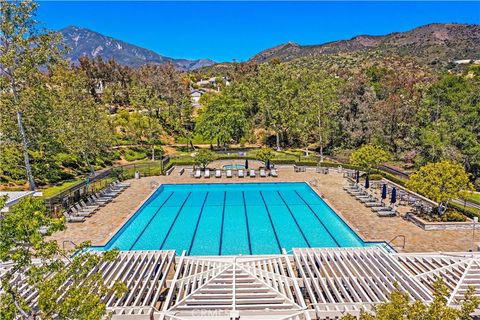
<point>431,42</point>
<point>90,43</point>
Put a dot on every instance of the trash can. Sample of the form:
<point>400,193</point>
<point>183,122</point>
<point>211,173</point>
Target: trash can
<point>137,174</point>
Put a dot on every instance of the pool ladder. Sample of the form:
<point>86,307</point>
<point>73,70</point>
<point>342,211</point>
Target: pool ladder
<point>399,236</point>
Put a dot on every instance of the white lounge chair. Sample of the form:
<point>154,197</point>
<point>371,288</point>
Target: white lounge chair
<point>387,213</point>
<point>89,205</point>
<point>240,173</point>
<point>229,173</point>
<point>218,173</point>
<point>262,173</point>
<point>252,173</point>
<point>207,173</point>
<point>198,174</point>
<point>273,173</point>
<point>71,218</point>
<point>372,204</point>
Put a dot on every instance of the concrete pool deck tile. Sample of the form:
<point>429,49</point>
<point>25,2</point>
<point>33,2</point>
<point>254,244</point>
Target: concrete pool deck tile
<point>109,219</point>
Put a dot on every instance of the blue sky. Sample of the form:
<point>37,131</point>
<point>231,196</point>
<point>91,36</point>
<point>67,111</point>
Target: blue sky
<point>224,31</point>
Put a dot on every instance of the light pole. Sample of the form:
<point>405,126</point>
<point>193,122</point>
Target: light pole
<point>475,220</point>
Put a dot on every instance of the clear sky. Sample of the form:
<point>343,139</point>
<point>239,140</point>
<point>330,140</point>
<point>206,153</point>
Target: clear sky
<point>224,31</point>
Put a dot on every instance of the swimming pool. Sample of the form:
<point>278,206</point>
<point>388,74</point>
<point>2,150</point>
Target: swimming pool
<point>236,218</point>
<point>233,166</point>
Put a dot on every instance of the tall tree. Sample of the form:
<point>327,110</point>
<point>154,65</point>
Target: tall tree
<point>320,97</point>
<point>223,120</point>
<point>23,49</point>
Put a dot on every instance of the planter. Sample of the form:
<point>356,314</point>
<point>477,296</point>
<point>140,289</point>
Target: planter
<point>431,226</point>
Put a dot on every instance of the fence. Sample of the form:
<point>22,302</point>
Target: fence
<point>65,199</point>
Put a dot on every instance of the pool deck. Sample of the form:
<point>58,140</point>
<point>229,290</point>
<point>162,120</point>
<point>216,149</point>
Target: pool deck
<point>108,220</point>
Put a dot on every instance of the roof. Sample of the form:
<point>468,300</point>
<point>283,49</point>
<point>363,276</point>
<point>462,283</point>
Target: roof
<point>13,197</point>
<point>310,283</point>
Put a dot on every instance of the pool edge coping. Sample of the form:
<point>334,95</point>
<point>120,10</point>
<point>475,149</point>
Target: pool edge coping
<point>132,212</point>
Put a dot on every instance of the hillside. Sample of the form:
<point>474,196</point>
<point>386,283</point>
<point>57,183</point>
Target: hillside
<point>83,42</point>
<point>433,43</point>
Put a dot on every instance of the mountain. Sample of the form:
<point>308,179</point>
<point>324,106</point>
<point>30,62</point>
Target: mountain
<point>433,43</point>
<point>83,42</point>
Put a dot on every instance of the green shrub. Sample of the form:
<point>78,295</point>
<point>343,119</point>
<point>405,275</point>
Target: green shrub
<point>134,154</point>
<point>454,216</point>
<point>375,177</point>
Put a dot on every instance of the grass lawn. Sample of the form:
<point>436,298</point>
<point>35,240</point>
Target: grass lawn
<point>51,191</point>
<point>475,197</point>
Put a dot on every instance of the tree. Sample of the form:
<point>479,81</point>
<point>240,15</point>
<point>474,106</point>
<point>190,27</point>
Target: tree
<point>223,120</point>
<point>265,154</point>
<point>368,156</point>
<point>440,181</point>
<point>203,157</point>
<point>400,307</point>
<point>23,49</point>
<point>320,97</point>
<point>46,268</point>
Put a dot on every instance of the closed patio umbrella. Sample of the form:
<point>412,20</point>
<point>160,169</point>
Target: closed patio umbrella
<point>384,191</point>
<point>268,164</point>
<point>367,182</point>
<point>357,176</point>
<point>246,163</point>
<point>393,197</point>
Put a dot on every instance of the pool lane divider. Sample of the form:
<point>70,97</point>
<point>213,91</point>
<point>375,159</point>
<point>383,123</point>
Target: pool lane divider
<point>149,221</point>
<point>246,219</point>
<point>196,226</point>
<point>223,219</point>
<point>318,218</point>
<point>271,222</point>
<point>294,219</point>
<point>174,220</point>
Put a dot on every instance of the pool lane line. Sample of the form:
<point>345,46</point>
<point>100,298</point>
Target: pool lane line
<point>196,226</point>
<point>246,219</point>
<point>294,219</point>
<point>149,221</point>
<point>318,218</point>
<point>271,221</point>
<point>223,219</point>
<point>174,220</point>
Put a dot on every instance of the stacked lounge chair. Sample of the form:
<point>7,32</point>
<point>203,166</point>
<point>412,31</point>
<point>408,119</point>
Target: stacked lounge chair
<point>207,173</point>
<point>218,173</point>
<point>88,206</point>
<point>241,173</point>
<point>252,173</point>
<point>262,173</point>
<point>274,173</point>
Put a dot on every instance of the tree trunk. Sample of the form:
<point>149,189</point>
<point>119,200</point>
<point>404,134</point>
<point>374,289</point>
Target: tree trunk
<point>153,153</point>
<point>26,158</point>
<point>277,136</point>
<point>320,139</point>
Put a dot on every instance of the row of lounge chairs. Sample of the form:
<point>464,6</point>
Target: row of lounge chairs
<point>370,201</point>
<point>240,173</point>
<point>88,206</point>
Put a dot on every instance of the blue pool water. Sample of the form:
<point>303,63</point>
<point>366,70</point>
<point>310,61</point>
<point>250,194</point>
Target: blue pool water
<point>233,166</point>
<point>230,219</point>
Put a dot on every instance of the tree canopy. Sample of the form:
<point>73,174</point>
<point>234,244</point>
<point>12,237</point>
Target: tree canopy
<point>369,156</point>
<point>45,266</point>
<point>441,181</point>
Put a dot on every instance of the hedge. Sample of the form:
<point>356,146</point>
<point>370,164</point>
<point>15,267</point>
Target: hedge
<point>469,212</point>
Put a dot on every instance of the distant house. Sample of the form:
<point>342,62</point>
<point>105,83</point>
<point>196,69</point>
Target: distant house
<point>212,82</point>
<point>195,97</point>
<point>207,82</point>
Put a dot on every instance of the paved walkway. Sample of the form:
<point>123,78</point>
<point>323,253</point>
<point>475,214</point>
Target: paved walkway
<point>108,220</point>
